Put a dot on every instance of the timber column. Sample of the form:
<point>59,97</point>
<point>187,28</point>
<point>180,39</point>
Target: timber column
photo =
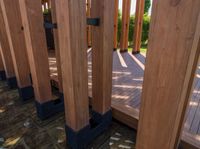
<point>116,25</point>
<point>33,22</point>
<point>138,26</point>
<point>2,70</point>
<point>16,38</point>
<point>168,77</point>
<point>125,25</point>
<point>6,54</point>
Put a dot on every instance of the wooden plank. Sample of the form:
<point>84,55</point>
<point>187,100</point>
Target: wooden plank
<point>89,34</point>
<point>1,60</point>
<point>71,19</point>
<point>5,49</point>
<point>32,17</point>
<point>102,54</point>
<point>116,24</point>
<point>169,72</point>
<point>57,47</point>
<point>125,25</point>
<point>138,26</point>
<point>16,38</point>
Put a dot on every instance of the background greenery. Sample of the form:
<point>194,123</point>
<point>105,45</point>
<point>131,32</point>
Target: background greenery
<point>145,30</point>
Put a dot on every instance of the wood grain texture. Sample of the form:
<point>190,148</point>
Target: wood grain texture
<point>57,47</point>
<point>16,38</point>
<point>116,24</point>
<point>138,25</point>
<point>89,34</point>
<point>125,25</point>
<point>71,17</point>
<point>1,60</point>
<point>102,54</point>
<point>31,12</point>
<point>5,49</point>
<point>172,58</point>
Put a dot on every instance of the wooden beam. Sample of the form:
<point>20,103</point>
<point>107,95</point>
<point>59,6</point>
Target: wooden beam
<point>6,54</point>
<point>172,58</point>
<point>32,17</point>
<point>138,26</point>
<point>2,70</point>
<point>125,25</point>
<point>1,61</point>
<point>16,38</point>
<point>116,24</point>
<point>89,34</point>
<point>71,19</point>
<point>57,47</point>
<point>102,55</point>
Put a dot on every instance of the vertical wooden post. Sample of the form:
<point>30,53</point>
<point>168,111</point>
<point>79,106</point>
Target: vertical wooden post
<point>32,17</point>
<point>125,25</point>
<point>89,36</point>
<point>6,54</point>
<point>172,58</point>
<point>102,55</point>
<point>16,38</point>
<point>116,24</point>
<point>71,19</point>
<point>138,26</point>
<point>57,47</point>
<point>2,70</point>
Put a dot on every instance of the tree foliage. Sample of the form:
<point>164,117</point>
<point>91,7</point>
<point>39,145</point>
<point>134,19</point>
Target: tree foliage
<point>147,6</point>
<point>145,29</point>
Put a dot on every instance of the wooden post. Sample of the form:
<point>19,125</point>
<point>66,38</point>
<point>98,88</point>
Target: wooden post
<point>2,70</point>
<point>138,26</point>
<point>102,55</point>
<point>32,17</point>
<point>71,19</point>
<point>89,36</point>
<point>6,54</point>
<point>116,24</point>
<point>16,38</point>
<point>57,47</point>
<point>125,25</point>
<point>172,58</point>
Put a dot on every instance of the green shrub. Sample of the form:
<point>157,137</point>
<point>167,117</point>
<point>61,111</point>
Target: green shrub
<point>145,29</point>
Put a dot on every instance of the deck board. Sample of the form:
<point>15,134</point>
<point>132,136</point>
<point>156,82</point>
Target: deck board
<point>127,80</point>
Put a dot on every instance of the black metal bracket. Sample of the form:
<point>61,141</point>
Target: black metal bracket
<point>48,25</point>
<point>93,21</point>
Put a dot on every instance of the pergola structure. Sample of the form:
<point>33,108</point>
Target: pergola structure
<point>171,63</point>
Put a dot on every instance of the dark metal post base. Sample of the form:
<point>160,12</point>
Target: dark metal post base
<point>98,124</point>
<point>2,75</point>
<point>12,82</point>
<point>124,50</point>
<point>51,108</point>
<point>135,52</point>
<point>26,93</point>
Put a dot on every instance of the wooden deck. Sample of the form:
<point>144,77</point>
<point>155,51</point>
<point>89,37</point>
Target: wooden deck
<point>128,72</point>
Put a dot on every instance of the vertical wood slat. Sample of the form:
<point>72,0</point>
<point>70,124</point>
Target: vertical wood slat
<point>172,57</point>
<point>5,49</point>
<point>32,17</point>
<point>125,25</point>
<point>102,43</point>
<point>138,26</point>
<point>116,24</point>
<point>71,19</point>
<point>89,35</point>
<point>1,61</point>
<point>15,34</point>
<point>57,47</point>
